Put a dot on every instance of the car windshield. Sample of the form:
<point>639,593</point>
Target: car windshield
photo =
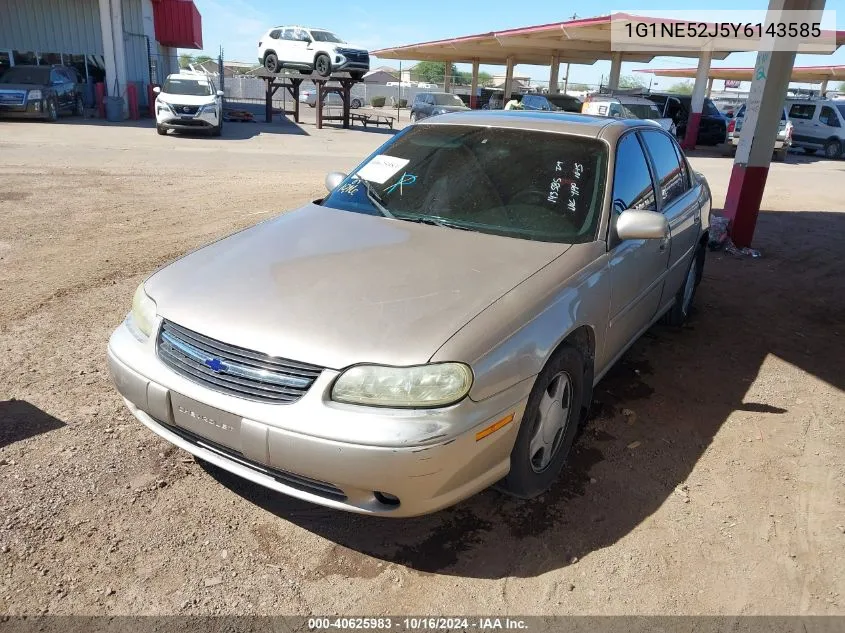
<point>325,36</point>
<point>190,87</point>
<point>640,111</point>
<point>38,76</point>
<point>447,99</point>
<point>523,184</point>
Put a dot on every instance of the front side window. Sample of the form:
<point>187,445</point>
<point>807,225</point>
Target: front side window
<point>670,176</point>
<point>189,87</point>
<point>276,34</point>
<point>632,185</point>
<point>522,184</point>
<point>325,36</point>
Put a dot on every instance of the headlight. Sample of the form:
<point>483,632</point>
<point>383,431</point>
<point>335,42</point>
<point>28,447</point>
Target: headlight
<point>420,386</point>
<point>142,317</point>
<point>209,108</point>
<point>34,95</point>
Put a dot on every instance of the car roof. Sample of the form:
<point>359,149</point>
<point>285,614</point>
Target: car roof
<point>558,122</point>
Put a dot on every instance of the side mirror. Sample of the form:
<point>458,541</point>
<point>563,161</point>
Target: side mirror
<point>634,224</point>
<point>156,89</point>
<point>334,178</point>
<point>220,93</point>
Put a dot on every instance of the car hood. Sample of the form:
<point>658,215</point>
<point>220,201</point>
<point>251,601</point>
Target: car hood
<point>335,288</point>
<point>185,99</point>
<point>22,87</point>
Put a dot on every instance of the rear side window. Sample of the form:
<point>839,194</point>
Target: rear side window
<point>276,34</point>
<point>670,175</point>
<point>802,111</point>
<point>828,117</point>
<point>632,186</point>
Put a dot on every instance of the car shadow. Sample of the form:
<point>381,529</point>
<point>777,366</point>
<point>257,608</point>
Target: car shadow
<point>20,420</point>
<point>653,416</point>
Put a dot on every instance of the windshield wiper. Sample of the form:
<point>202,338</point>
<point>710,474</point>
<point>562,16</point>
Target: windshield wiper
<point>435,220</point>
<point>375,199</point>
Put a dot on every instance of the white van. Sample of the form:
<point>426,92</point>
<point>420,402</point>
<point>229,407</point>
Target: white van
<point>818,124</point>
<point>627,107</point>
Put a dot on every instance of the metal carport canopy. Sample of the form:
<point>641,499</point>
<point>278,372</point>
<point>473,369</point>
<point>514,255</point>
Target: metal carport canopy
<point>799,73</point>
<point>582,41</point>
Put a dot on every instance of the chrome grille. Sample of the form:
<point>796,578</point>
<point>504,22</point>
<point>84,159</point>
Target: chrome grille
<point>234,370</point>
<point>9,97</point>
<point>185,109</point>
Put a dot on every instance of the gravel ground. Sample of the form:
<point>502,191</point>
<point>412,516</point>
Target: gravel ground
<point>708,481</point>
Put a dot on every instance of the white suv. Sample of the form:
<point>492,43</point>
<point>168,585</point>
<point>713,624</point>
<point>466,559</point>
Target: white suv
<point>188,102</point>
<point>783,141</point>
<point>310,50</point>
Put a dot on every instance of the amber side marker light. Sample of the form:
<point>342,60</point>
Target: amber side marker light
<point>494,427</point>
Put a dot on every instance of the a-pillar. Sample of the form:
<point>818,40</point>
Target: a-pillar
<point>114,52</point>
<point>473,90</point>
<point>763,112</point>
<point>508,81</point>
<point>554,73</point>
<point>823,88</point>
<point>709,86</point>
<point>447,76</point>
<point>698,91</point>
<point>615,70</point>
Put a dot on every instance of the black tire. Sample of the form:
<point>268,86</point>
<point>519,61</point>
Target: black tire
<point>810,150</point>
<point>533,470</point>
<point>51,113</point>
<point>355,104</point>
<point>356,75</point>
<point>732,151</point>
<point>323,65</point>
<point>832,149</point>
<point>679,312</point>
<point>161,130</point>
<point>780,155</point>
<point>413,116</point>
<point>79,106</point>
<point>217,130</point>
<point>271,63</point>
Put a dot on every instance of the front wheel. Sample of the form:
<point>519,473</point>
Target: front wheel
<point>271,63</point>
<point>79,106</point>
<point>832,149</point>
<point>161,130</point>
<point>323,65</point>
<point>780,155</point>
<point>413,117</point>
<point>52,110</point>
<point>679,312</point>
<point>217,130</point>
<point>548,426</point>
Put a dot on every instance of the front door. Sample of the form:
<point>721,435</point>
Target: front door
<point>637,267</point>
<point>805,128</point>
<point>679,203</point>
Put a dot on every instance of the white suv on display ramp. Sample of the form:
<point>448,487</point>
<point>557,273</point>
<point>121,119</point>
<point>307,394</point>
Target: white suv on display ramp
<point>188,102</point>
<point>310,50</point>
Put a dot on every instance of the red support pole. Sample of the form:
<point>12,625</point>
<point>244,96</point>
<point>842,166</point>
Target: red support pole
<point>100,94</point>
<point>132,99</point>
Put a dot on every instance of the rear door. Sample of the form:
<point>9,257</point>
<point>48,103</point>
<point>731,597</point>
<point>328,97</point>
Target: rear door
<point>804,125</point>
<point>678,201</point>
<point>637,267</point>
<point>294,46</point>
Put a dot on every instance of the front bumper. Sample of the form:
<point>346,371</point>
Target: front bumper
<point>202,120</point>
<point>355,62</point>
<point>28,110</point>
<point>324,452</point>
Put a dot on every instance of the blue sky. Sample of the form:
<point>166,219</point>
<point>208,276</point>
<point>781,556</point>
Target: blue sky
<point>237,25</point>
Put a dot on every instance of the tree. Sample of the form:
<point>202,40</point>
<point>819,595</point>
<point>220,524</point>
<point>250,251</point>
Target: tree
<point>432,72</point>
<point>577,87</point>
<point>842,87</point>
<point>629,81</point>
<point>199,59</point>
<point>682,87</point>
<point>185,59</point>
<point>484,79</point>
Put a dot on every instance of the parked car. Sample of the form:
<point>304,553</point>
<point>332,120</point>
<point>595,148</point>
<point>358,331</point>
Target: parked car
<point>712,129</point>
<point>428,104</point>
<point>627,107</point>
<point>311,50</point>
<point>818,124</point>
<point>565,102</point>
<point>40,92</point>
<point>782,143</point>
<point>435,325</point>
<point>332,99</point>
<point>188,103</point>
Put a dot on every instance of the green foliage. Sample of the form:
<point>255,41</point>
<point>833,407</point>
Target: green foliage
<point>577,87</point>
<point>630,81</point>
<point>185,59</point>
<point>403,103</point>
<point>484,79</point>
<point>378,102</point>
<point>199,59</point>
<point>682,88</point>
<point>432,72</point>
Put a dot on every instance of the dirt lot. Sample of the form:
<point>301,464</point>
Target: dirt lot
<point>711,478</point>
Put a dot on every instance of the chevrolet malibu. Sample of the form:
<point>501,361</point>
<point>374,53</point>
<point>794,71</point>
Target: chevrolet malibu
<point>433,326</point>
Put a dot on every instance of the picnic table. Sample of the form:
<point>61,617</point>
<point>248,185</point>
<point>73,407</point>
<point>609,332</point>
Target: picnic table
<point>373,118</point>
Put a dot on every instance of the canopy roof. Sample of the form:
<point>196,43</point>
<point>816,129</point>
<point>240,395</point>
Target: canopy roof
<point>799,73</point>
